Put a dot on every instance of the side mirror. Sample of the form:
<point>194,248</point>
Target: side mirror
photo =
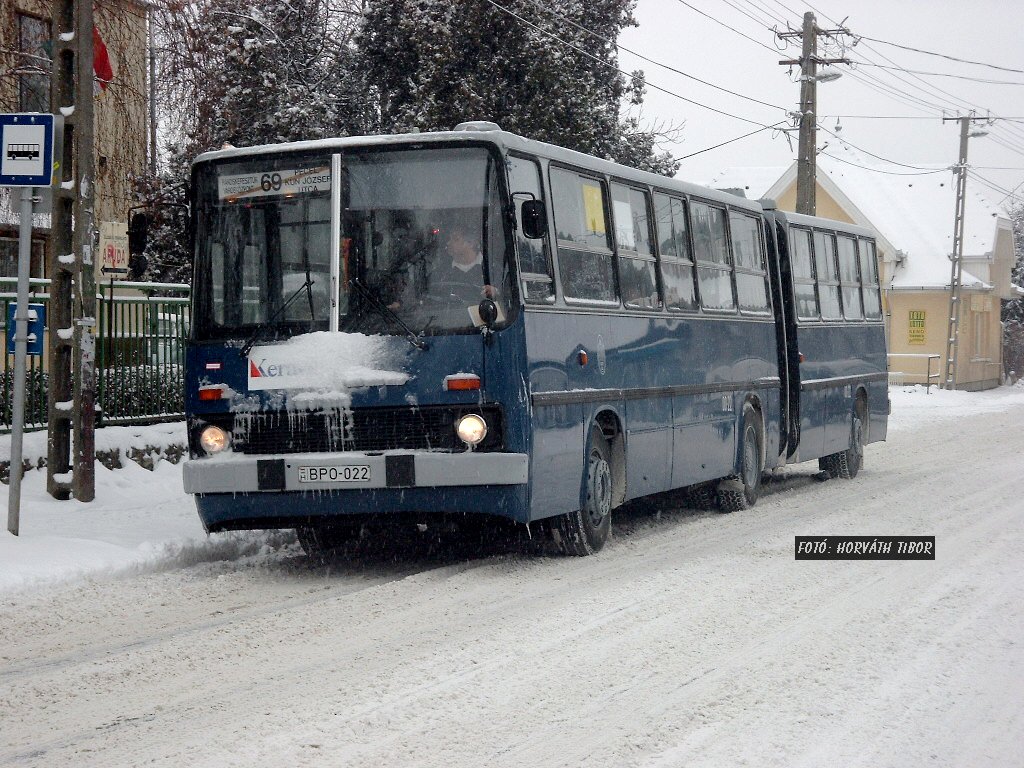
<point>534,219</point>
<point>137,229</point>
<point>488,312</point>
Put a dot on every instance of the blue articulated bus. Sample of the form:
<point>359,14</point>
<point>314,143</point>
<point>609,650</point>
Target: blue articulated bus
<point>476,323</point>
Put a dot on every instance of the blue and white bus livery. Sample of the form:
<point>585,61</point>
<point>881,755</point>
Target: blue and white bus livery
<point>592,334</point>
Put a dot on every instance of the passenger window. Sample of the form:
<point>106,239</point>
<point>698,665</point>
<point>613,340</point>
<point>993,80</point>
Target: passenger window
<point>711,250</point>
<point>534,255</point>
<point>828,282</point>
<point>676,259</point>
<point>748,256</point>
<point>849,277</point>
<point>869,279</point>
<point>584,242</point>
<point>801,264</point>
<point>637,277</point>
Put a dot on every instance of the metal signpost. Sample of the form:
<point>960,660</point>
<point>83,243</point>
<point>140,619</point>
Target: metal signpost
<point>26,161</point>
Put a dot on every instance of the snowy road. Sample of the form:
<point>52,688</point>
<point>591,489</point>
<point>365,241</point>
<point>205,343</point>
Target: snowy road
<point>694,639</point>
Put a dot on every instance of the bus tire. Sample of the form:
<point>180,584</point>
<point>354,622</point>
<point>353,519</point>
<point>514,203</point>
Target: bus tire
<point>846,464</point>
<point>585,531</point>
<point>849,462</point>
<point>740,491</point>
<point>322,541</point>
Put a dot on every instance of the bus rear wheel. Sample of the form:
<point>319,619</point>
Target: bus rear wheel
<point>741,491</point>
<point>846,464</point>
<point>585,531</point>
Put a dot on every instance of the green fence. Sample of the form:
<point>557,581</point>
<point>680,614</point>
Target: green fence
<point>140,354</point>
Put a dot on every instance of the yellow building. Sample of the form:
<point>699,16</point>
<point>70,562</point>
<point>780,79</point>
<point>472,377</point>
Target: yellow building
<point>912,216</point>
<point>120,110</point>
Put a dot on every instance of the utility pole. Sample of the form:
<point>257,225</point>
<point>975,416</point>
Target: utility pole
<point>71,444</point>
<point>956,270</point>
<point>808,62</point>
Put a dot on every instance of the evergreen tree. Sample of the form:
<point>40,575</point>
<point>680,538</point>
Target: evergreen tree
<point>436,63</point>
<point>1013,310</point>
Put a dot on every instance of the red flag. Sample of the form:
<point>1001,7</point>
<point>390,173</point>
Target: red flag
<point>101,60</point>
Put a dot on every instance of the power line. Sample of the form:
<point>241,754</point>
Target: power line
<point>774,51</point>
<point>650,60</point>
<point>942,74</point>
<point>941,55</point>
<point>730,141</point>
<point>882,170</point>
<point>872,154</point>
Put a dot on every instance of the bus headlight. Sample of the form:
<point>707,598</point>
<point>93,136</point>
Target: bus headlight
<point>214,439</point>
<point>471,429</point>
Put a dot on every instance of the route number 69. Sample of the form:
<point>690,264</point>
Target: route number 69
<point>270,181</point>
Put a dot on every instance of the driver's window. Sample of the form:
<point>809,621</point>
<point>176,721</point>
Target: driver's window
<point>534,255</point>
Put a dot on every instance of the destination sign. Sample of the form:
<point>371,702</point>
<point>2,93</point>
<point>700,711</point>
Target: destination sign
<point>243,186</point>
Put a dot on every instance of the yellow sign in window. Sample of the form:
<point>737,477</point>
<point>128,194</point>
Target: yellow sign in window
<point>915,333</point>
<point>593,209</point>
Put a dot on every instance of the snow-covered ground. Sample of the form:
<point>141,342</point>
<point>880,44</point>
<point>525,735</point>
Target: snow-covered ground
<point>127,636</point>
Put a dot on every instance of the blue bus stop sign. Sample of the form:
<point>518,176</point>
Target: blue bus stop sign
<point>26,150</point>
<point>36,326</point>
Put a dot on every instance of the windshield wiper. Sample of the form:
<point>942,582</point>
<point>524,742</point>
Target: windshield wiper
<point>261,327</point>
<point>383,309</point>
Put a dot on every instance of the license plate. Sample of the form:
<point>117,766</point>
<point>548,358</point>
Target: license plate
<point>348,473</point>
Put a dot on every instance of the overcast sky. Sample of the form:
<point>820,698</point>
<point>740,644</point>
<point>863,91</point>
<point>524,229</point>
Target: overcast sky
<point>989,31</point>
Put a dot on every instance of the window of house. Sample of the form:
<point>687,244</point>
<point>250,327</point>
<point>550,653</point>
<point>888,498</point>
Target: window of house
<point>801,264</point>
<point>980,322</point>
<point>9,257</point>
<point>676,258</point>
<point>711,249</point>
<point>637,268</point>
<point>536,276</point>
<point>585,256</point>
<point>828,277</point>
<point>748,258</point>
<point>849,277</point>
<point>869,278</point>
<point>33,64</point>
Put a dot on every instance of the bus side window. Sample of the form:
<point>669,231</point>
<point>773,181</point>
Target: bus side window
<point>585,257</point>
<point>828,279</point>
<point>869,280</point>
<point>801,264</point>
<point>676,258</point>
<point>711,249</point>
<point>633,239</point>
<point>538,284</point>
<point>748,257</point>
<point>849,276</point>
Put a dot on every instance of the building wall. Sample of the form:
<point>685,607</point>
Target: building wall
<point>978,357</point>
<point>120,110</point>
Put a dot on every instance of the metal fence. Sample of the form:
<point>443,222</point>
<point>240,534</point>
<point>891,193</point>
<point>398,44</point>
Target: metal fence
<point>140,354</point>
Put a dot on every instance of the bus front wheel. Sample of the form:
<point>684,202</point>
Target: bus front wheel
<point>585,531</point>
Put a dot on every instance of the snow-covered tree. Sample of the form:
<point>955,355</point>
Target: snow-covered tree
<point>549,74</point>
<point>1013,311</point>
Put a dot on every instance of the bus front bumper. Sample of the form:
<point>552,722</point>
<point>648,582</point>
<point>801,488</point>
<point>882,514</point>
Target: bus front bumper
<point>236,473</point>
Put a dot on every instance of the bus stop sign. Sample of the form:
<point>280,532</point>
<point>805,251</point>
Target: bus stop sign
<point>26,150</point>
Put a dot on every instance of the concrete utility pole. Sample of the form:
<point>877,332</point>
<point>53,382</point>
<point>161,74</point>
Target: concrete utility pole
<point>808,62</point>
<point>71,446</point>
<point>956,271</point>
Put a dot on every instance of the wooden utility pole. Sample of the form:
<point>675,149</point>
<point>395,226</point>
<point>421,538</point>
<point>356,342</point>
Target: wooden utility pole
<point>71,447</point>
<point>807,154</point>
<point>957,257</point>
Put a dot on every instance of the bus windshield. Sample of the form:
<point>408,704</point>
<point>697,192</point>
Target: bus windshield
<point>422,242</point>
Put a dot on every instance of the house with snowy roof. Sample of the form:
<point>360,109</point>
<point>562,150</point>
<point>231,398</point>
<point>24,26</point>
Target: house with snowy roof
<point>912,215</point>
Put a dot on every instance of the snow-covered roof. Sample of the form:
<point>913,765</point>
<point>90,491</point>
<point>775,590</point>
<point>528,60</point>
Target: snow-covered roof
<point>910,210</point>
